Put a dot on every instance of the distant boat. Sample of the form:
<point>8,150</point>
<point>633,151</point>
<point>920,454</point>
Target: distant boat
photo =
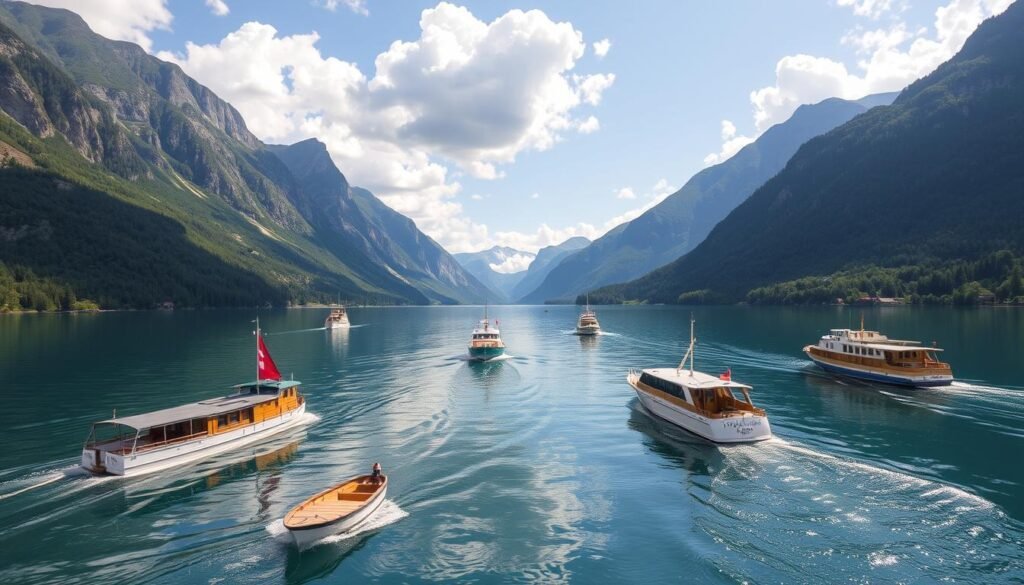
<point>338,318</point>
<point>336,510</point>
<point>486,342</point>
<point>144,443</point>
<point>869,355</point>
<point>705,405</point>
<point>587,323</point>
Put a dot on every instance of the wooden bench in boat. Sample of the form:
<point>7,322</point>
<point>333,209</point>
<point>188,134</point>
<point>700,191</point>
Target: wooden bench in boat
<point>335,503</point>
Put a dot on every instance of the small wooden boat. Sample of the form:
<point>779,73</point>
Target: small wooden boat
<point>486,342</point>
<point>337,319</point>
<point>587,323</point>
<point>337,509</point>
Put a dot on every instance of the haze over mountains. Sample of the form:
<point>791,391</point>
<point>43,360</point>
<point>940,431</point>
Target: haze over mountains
<point>104,115</point>
<point>499,267</point>
<point>932,183</point>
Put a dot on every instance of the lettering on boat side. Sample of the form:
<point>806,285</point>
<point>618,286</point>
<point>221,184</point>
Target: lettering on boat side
<point>743,426</point>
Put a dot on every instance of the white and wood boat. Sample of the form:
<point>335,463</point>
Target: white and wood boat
<point>486,343</point>
<point>587,323</point>
<point>713,407</point>
<point>337,319</point>
<point>153,441</point>
<point>336,510</point>
<point>870,355</point>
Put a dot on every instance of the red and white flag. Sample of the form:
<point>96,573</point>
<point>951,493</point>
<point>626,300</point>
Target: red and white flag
<point>266,369</point>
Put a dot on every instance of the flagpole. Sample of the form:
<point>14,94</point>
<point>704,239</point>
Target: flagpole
<point>257,354</point>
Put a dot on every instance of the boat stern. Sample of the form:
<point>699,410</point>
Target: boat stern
<point>741,429</point>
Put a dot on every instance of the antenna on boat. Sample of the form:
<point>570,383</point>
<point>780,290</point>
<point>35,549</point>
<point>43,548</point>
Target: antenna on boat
<point>862,321</point>
<point>689,351</point>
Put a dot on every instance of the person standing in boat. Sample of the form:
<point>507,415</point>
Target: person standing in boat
<point>376,477</point>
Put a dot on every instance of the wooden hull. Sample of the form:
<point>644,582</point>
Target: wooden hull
<point>190,451</point>
<point>884,375</point>
<point>748,428</point>
<point>306,537</point>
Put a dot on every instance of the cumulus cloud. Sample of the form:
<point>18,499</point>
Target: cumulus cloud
<point>732,142</point>
<point>218,7</point>
<point>513,263</point>
<point>657,194</point>
<point>891,59</point>
<point>357,6</point>
<point>625,193</point>
<point>590,125</point>
<point>602,47</point>
<point>535,196</point>
<point>545,236</point>
<point>466,92</point>
<point>122,20</point>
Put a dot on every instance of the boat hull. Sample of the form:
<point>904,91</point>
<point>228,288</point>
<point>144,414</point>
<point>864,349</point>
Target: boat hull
<point>588,330</point>
<point>735,429</point>
<point>922,381</point>
<point>485,353</point>
<point>190,451</point>
<point>307,537</point>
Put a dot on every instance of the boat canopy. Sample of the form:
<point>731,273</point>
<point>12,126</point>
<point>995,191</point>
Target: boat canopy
<point>202,409</point>
<point>696,380</point>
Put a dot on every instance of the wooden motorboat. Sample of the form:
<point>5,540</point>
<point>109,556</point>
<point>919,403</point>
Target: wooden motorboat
<point>337,509</point>
<point>486,342</point>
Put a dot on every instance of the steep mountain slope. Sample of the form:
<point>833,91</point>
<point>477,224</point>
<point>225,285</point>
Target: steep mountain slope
<point>680,222</point>
<point>348,217</point>
<point>500,284</point>
<point>107,116</point>
<point>936,176</point>
<point>548,258</point>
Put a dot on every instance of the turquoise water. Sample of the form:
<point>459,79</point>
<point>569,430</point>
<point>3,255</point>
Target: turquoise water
<point>538,467</point>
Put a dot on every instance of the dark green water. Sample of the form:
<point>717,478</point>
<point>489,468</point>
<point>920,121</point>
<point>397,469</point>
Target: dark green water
<point>538,468</point>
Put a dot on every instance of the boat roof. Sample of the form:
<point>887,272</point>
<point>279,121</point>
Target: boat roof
<point>896,347</point>
<point>486,327</point>
<point>203,408</point>
<point>694,380</point>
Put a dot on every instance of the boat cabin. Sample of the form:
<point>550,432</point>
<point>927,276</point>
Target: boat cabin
<point>251,403</point>
<point>706,395</point>
<point>871,348</point>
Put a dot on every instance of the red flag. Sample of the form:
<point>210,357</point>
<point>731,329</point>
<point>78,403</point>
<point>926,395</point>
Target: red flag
<point>266,368</point>
<point>726,375</point>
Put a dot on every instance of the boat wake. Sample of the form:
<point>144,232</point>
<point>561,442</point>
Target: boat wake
<point>388,513</point>
<point>35,481</point>
<point>467,358</point>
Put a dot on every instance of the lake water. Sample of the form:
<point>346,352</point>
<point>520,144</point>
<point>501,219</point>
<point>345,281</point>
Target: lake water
<point>541,467</point>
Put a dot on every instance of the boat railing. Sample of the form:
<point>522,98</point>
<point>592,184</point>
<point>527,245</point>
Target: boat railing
<point>142,445</point>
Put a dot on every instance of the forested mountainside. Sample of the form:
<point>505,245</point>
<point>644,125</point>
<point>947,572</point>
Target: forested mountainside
<point>934,179</point>
<point>103,117</point>
<point>680,222</point>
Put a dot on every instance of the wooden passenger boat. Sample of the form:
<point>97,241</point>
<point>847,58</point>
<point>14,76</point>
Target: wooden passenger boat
<point>870,355</point>
<point>713,407</point>
<point>337,319</point>
<point>144,443</point>
<point>486,344</point>
<point>587,323</point>
<point>335,510</point>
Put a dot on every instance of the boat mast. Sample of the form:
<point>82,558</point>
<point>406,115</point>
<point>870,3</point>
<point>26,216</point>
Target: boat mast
<point>689,351</point>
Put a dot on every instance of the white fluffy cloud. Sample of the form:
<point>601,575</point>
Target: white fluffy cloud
<point>892,58</point>
<point>732,142</point>
<point>122,20</point>
<point>602,47</point>
<point>466,93</point>
<point>545,236</point>
<point>625,193</point>
<point>218,7</point>
<point>657,194</point>
<point>357,6</point>
<point>512,264</point>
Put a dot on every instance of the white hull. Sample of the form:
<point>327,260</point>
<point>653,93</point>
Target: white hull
<point>588,330</point>
<point>337,324</point>
<point>733,429</point>
<point>305,538</point>
<point>189,451</point>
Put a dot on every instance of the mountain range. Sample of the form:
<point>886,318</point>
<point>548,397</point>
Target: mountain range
<point>680,222</point>
<point>934,179</point>
<point>237,221</point>
<point>509,287</point>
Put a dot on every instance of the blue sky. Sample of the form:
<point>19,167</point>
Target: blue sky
<point>674,72</point>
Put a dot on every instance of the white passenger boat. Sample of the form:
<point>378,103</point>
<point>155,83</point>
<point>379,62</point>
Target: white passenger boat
<point>713,407</point>
<point>144,443</point>
<point>587,323</point>
<point>336,510</point>
<point>486,343</point>
<point>337,319</point>
<point>869,355</point>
